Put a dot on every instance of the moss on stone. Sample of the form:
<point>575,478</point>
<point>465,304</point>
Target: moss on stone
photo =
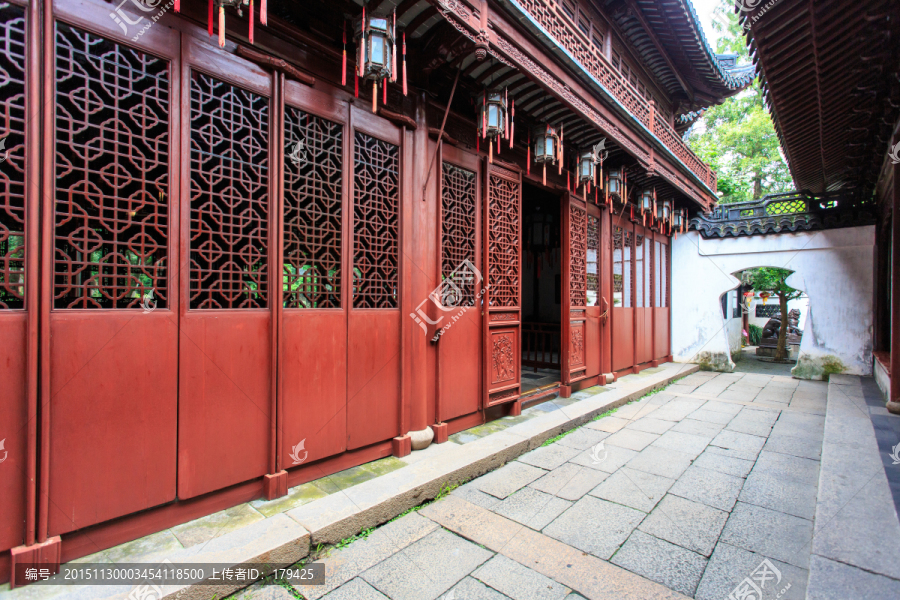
<point>817,367</point>
<point>714,361</point>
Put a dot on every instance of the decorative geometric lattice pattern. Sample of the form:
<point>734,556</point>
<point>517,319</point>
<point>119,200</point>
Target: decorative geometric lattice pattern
<point>376,250</point>
<point>503,241</point>
<point>313,192</point>
<point>12,157</point>
<point>458,230</point>
<point>112,183</point>
<point>786,207</point>
<point>229,195</point>
<point>639,270</point>
<point>578,256</point>
<point>593,260</point>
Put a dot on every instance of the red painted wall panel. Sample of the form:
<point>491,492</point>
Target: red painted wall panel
<point>225,399</point>
<point>112,415</point>
<point>13,429</point>
<point>622,338</point>
<point>644,323</point>
<point>373,384</point>
<point>662,332</point>
<point>314,380</point>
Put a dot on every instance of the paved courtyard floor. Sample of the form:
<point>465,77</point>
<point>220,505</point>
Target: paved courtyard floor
<point>704,488</point>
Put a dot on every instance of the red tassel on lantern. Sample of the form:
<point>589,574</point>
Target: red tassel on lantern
<point>498,145</point>
<point>177,6</point>
<point>356,84</point>
<point>512,124</point>
<point>209,21</point>
<point>251,21</point>
<point>384,99</point>
<point>404,63</point>
<point>263,13</point>
<point>528,158</point>
<point>477,143</point>
<point>344,63</point>
<point>221,26</point>
<point>394,53</point>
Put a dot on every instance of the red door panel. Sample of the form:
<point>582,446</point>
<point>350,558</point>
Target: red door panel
<point>503,298</point>
<point>662,332</point>
<point>225,344</point>
<point>112,323</point>
<point>13,428</point>
<point>574,297</point>
<point>113,453</point>
<point>623,311</point>
<point>623,338</point>
<point>459,347</point>
<point>225,400</point>
<point>373,381</point>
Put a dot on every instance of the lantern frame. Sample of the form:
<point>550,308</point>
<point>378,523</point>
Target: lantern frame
<point>492,102</point>
<point>587,165</point>
<point>614,181</point>
<point>647,200</point>
<point>676,219</point>
<point>667,209</point>
<point>368,35</point>
<point>541,135</point>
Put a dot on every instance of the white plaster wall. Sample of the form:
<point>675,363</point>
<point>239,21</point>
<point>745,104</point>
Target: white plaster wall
<point>833,268</point>
<point>735,333</point>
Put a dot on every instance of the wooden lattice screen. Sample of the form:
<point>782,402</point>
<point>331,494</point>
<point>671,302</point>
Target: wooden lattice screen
<point>313,192</point>
<point>376,236</point>
<point>458,229</point>
<point>229,195</point>
<point>112,182</point>
<point>503,241</point>
<point>578,256</point>
<point>12,157</point>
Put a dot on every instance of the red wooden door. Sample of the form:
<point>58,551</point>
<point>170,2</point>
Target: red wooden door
<point>623,294</point>
<point>458,304</point>
<point>643,306</point>
<point>574,356</point>
<point>502,304</point>
<point>662,318</point>
<point>18,282</point>
<point>597,298</point>
<point>313,334</point>
<point>373,353</point>
<point>225,341</point>
<point>111,229</point>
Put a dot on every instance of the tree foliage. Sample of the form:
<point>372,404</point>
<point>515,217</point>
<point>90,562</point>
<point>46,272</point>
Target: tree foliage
<point>737,138</point>
<point>774,280</point>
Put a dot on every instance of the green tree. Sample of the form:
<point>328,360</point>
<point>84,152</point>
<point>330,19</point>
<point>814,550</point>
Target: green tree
<point>772,280</point>
<point>737,138</point>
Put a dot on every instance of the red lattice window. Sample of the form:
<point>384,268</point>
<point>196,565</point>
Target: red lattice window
<point>229,195</point>
<point>618,266</point>
<point>12,157</point>
<point>112,180</point>
<point>592,261</point>
<point>313,192</point>
<point>503,241</point>
<point>458,208</point>
<point>578,258</point>
<point>376,235</point>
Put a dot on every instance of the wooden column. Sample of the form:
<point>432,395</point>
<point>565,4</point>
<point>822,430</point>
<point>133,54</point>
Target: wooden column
<point>893,404</point>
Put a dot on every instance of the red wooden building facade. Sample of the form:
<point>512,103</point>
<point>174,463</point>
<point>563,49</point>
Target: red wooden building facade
<point>156,186</point>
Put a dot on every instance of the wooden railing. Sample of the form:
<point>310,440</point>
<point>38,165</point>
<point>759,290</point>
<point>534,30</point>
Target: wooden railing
<point>540,345</point>
<point>559,24</point>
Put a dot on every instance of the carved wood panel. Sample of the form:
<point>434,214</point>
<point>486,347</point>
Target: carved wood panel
<point>503,241</point>
<point>504,356</point>
<point>458,230</point>
<point>577,256</point>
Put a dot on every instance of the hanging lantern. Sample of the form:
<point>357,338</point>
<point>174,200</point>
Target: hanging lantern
<point>614,182</point>
<point>661,211</point>
<point>667,209</point>
<point>647,200</point>
<point>765,296</point>
<point>375,43</point>
<point>492,120</point>
<point>587,166</point>
<point>546,142</point>
<point>676,220</point>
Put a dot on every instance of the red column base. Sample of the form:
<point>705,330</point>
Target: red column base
<point>441,433</point>
<point>275,485</point>
<point>45,555</point>
<point>401,446</point>
<point>654,364</point>
<point>515,408</point>
<point>565,391</point>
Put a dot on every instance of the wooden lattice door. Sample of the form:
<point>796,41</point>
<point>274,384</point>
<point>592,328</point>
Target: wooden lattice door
<point>503,296</point>
<point>580,334</point>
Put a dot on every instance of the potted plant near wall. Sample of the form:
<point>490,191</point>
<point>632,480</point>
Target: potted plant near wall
<point>770,281</point>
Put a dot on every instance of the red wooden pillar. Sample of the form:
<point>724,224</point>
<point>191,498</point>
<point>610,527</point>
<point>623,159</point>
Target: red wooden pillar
<point>894,397</point>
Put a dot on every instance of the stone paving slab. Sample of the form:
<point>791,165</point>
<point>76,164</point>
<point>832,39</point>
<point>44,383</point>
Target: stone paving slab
<point>518,582</point>
<point>427,568</point>
<point>651,425</point>
<point>570,481</point>
<point>794,446</point>
<point>548,457</point>
<point>830,580</point>
<point>357,589</point>
<point>472,589</point>
<point>508,479</point>
<point>739,445</point>
<point>685,443</point>
<point>730,565</point>
<point>660,561</point>
<point>686,523</point>
<point>660,461</point>
<point>632,488</point>
<point>531,508</point>
<point>595,526</point>
<point>709,487</point>
<point>631,439</point>
<point>736,467</point>
<point>779,493</point>
<point>583,438</point>
<point>608,460</point>
<point>770,533</point>
<point>701,428</point>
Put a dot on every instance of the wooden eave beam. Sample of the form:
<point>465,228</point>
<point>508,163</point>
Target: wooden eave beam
<point>635,10</point>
